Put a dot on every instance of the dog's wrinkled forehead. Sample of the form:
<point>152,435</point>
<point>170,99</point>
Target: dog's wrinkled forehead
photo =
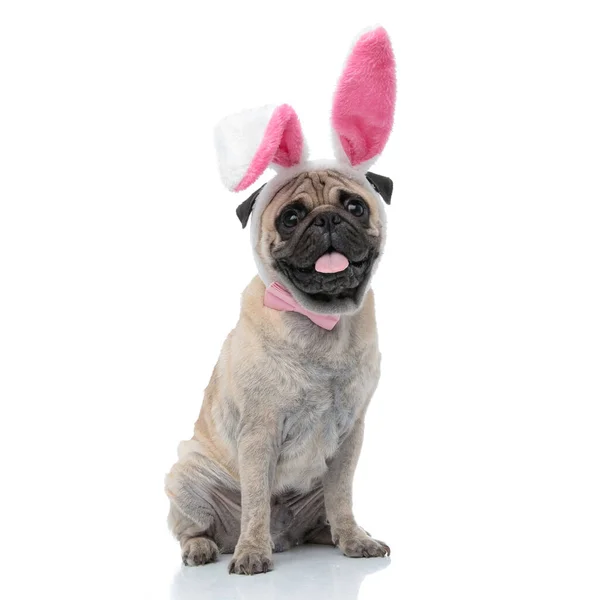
<point>317,188</point>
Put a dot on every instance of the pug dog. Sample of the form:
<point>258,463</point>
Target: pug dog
<point>272,458</point>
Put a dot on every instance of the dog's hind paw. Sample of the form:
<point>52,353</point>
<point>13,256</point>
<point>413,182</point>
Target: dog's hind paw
<point>199,551</point>
<point>363,546</point>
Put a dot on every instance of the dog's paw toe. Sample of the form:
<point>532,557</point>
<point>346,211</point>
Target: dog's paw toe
<point>250,561</point>
<point>199,551</point>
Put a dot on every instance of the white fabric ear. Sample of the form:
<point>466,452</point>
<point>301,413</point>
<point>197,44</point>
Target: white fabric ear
<point>248,142</point>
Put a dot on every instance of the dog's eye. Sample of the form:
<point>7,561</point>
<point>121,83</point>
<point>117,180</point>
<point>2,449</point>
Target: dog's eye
<point>356,207</point>
<point>291,217</point>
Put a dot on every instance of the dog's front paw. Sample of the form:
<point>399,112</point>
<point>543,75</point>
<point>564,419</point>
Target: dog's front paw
<point>360,545</point>
<point>250,558</point>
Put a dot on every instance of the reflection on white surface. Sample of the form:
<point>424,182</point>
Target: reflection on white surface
<point>306,572</point>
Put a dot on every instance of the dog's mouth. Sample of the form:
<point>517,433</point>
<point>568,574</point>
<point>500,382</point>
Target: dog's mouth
<point>332,276</point>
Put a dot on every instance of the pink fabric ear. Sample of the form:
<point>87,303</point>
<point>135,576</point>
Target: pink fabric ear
<point>363,106</point>
<point>281,144</point>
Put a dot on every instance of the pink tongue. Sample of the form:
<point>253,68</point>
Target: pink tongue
<point>331,263</point>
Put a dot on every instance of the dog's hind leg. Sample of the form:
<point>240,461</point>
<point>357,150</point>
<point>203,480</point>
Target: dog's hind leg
<point>197,545</point>
<point>205,508</point>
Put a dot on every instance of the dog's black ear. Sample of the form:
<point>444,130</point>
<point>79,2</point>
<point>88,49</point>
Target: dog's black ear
<point>245,208</point>
<point>383,185</point>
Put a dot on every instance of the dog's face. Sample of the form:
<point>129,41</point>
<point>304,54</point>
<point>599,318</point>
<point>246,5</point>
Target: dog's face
<point>322,214</point>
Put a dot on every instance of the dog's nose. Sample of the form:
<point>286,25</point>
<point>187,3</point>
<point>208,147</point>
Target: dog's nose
<point>330,219</point>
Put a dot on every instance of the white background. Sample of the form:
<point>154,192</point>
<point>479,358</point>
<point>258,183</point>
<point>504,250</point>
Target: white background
<point>122,264</point>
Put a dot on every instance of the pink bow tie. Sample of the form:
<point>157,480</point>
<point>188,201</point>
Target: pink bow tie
<point>277,297</point>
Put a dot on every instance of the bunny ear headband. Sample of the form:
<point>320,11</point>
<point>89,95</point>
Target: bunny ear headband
<point>362,117</point>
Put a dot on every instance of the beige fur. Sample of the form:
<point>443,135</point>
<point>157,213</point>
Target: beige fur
<point>281,423</point>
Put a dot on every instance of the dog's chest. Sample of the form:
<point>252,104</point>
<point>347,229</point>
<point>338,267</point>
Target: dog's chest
<point>317,422</point>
